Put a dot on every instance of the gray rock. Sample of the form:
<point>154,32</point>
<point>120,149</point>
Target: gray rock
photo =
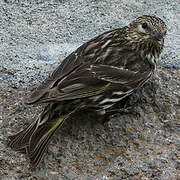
<point>35,36</point>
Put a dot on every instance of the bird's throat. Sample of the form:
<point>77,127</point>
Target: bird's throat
<point>150,51</point>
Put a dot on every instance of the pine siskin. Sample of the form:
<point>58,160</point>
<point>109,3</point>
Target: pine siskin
<point>97,75</point>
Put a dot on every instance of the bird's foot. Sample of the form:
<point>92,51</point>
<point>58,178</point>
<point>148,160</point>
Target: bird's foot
<point>123,111</point>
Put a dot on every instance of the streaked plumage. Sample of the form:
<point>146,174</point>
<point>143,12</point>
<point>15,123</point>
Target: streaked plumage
<point>97,75</point>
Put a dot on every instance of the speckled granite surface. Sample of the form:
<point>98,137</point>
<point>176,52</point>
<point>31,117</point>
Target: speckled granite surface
<point>35,36</point>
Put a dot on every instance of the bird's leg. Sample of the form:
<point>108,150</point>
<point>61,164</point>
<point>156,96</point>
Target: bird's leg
<point>122,111</point>
<point>103,118</point>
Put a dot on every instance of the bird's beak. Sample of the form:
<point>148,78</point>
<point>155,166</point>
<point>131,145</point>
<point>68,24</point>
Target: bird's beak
<point>158,35</point>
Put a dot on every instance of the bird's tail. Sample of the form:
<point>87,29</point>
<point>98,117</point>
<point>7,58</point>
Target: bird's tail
<point>34,139</point>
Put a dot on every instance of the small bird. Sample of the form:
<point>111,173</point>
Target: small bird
<point>96,76</point>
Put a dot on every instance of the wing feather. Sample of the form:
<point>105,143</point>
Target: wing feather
<point>117,75</point>
<point>82,74</point>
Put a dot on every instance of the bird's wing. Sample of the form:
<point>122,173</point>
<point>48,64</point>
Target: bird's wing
<point>69,65</point>
<point>118,75</point>
<point>80,83</point>
<point>89,80</point>
<point>65,68</point>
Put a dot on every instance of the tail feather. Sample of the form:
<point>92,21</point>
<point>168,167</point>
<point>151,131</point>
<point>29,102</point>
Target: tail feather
<point>34,139</point>
<point>39,141</point>
<point>20,141</point>
<point>36,155</point>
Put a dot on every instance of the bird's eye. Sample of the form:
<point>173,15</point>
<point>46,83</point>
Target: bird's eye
<point>144,25</point>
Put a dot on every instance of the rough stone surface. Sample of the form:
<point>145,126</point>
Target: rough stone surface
<point>141,144</point>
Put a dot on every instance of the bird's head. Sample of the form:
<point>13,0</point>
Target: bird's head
<point>146,34</point>
<point>148,28</point>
